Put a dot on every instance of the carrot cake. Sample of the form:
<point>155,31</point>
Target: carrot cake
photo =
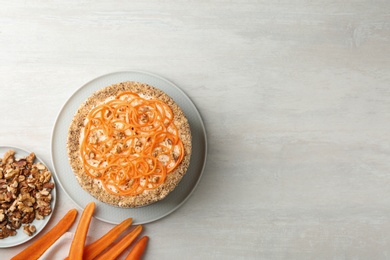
<point>129,144</point>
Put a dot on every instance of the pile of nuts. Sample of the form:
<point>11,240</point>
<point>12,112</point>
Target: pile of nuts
<point>25,193</point>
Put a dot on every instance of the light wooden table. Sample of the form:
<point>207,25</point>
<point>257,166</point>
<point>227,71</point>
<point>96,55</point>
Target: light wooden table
<point>295,96</point>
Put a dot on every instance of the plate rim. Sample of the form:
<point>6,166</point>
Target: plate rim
<point>53,202</point>
<point>153,75</point>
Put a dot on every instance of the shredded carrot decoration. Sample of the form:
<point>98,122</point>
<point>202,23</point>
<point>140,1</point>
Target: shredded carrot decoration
<point>130,144</point>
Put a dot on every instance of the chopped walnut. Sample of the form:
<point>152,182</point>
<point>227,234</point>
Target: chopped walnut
<point>29,229</point>
<point>2,216</point>
<point>25,193</point>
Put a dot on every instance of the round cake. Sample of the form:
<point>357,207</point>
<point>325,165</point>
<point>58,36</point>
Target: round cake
<point>129,144</point>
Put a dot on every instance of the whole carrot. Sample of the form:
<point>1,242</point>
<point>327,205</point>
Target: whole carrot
<point>114,251</point>
<point>95,248</point>
<point>138,249</point>
<point>36,249</point>
<point>77,246</point>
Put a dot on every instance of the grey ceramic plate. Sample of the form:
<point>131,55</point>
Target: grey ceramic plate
<point>22,237</point>
<point>142,215</point>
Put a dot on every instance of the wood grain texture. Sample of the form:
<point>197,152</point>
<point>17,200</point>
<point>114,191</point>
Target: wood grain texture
<point>295,96</point>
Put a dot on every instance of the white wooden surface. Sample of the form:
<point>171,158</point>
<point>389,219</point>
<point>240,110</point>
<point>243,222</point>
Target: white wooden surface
<point>295,96</point>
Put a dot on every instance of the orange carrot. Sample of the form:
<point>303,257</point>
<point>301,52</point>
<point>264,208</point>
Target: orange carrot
<point>138,249</point>
<point>123,171</point>
<point>114,251</point>
<point>77,247</point>
<point>36,249</point>
<point>95,248</point>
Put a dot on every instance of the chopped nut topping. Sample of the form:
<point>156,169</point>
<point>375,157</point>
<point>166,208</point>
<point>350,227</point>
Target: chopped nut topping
<point>25,193</point>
